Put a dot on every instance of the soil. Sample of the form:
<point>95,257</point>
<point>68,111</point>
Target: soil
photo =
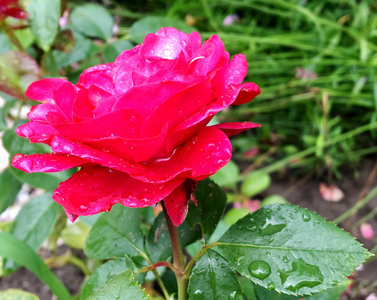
<point>304,194</point>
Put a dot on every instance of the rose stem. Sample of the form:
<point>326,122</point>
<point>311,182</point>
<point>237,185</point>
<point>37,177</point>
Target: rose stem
<point>179,260</point>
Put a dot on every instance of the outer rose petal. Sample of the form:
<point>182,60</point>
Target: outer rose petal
<point>46,162</point>
<point>64,97</point>
<point>247,92</point>
<point>231,129</point>
<point>197,159</point>
<point>39,112</point>
<point>37,132</point>
<point>96,189</point>
<point>43,90</point>
<point>99,76</point>
<point>66,146</point>
<point>177,205</point>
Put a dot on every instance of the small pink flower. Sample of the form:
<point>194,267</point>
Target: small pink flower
<point>367,231</point>
<point>330,192</point>
<point>138,127</point>
<point>231,19</point>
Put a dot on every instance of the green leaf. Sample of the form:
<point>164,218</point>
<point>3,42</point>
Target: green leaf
<point>331,294</point>
<point>115,234</point>
<point>5,44</point>
<point>93,20</point>
<point>81,50</point>
<point>291,250</point>
<point>4,112</point>
<point>17,71</point>
<point>75,235</point>
<point>272,199</point>
<point>107,271</point>
<point>121,287</point>
<point>227,176</point>
<point>213,278</point>
<point>13,294</point>
<point>255,183</point>
<point>21,253</point>
<point>44,21</point>
<point>234,214</point>
<point>111,51</point>
<point>211,201</point>
<point>141,28</point>
<point>34,223</point>
<point>158,244</point>
<point>9,187</point>
<point>35,220</point>
<point>15,144</point>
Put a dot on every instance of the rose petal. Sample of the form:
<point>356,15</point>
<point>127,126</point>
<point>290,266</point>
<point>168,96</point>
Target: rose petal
<point>99,76</point>
<point>197,159</point>
<point>64,97</point>
<point>178,107</point>
<point>39,112</point>
<point>123,124</point>
<point>37,132</point>
<point>147,97</point>
<point>133,149</point>
<point>43,90</point>
<point>82,107</point>
<point>233,128</point>
<point>157,47</point>
<point>46,162</point>
<point>96,189</point>
<point>177,205</point>
<point>246,92</point>
<point>66,146</point>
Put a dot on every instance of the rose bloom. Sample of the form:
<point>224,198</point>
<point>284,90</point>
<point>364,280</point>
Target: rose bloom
<point>137,128</point>
<point>11,8</point>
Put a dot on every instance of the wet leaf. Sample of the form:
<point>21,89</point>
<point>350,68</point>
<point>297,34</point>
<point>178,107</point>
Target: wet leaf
<point>227,176</point>
<point>9,187</point>
<point>64,41</point>
<point>35,220</point>
<point>115,234</point>
<point>21,253</point>
<point>92,20</point>
<point>211,201</point>
<point>255,183</point>
<point>121,287</point>
<point>213,278</point>
<point>44,21</point>
<point>141,28</point>
<point>107,271</point>
<point>17,71</point>
<point>158,242</point>
<point>75,235</point>
<point>291,250</point>
<point>13,294</point>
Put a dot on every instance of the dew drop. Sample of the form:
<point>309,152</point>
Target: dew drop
<point>285,259</point>
<point>271,286</point>
<point>167,53</point>
<point>235,295</point>
<point>306,216</point>
<point>209,147</point>
<point>300,275</point>
<point>83,208</point>
<point>198,292</point>
<point>259,269</point>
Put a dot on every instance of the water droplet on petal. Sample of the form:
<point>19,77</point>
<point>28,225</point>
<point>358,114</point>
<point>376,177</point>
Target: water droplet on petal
<point>209,147</point>
<point>259,269</point>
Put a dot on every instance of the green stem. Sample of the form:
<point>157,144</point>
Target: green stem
<point>355,208</point>
<point>9,33</point>
<point>162,286</point>
<point>178,258</point>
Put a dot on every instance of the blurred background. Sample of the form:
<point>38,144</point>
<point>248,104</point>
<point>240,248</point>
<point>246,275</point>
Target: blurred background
<point>315,62</point>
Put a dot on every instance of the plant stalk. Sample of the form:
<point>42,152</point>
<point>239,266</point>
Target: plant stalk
<point>178,258</point>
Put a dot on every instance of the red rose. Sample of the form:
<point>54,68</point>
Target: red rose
<point>137,127</point>
<point>11,8</point>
